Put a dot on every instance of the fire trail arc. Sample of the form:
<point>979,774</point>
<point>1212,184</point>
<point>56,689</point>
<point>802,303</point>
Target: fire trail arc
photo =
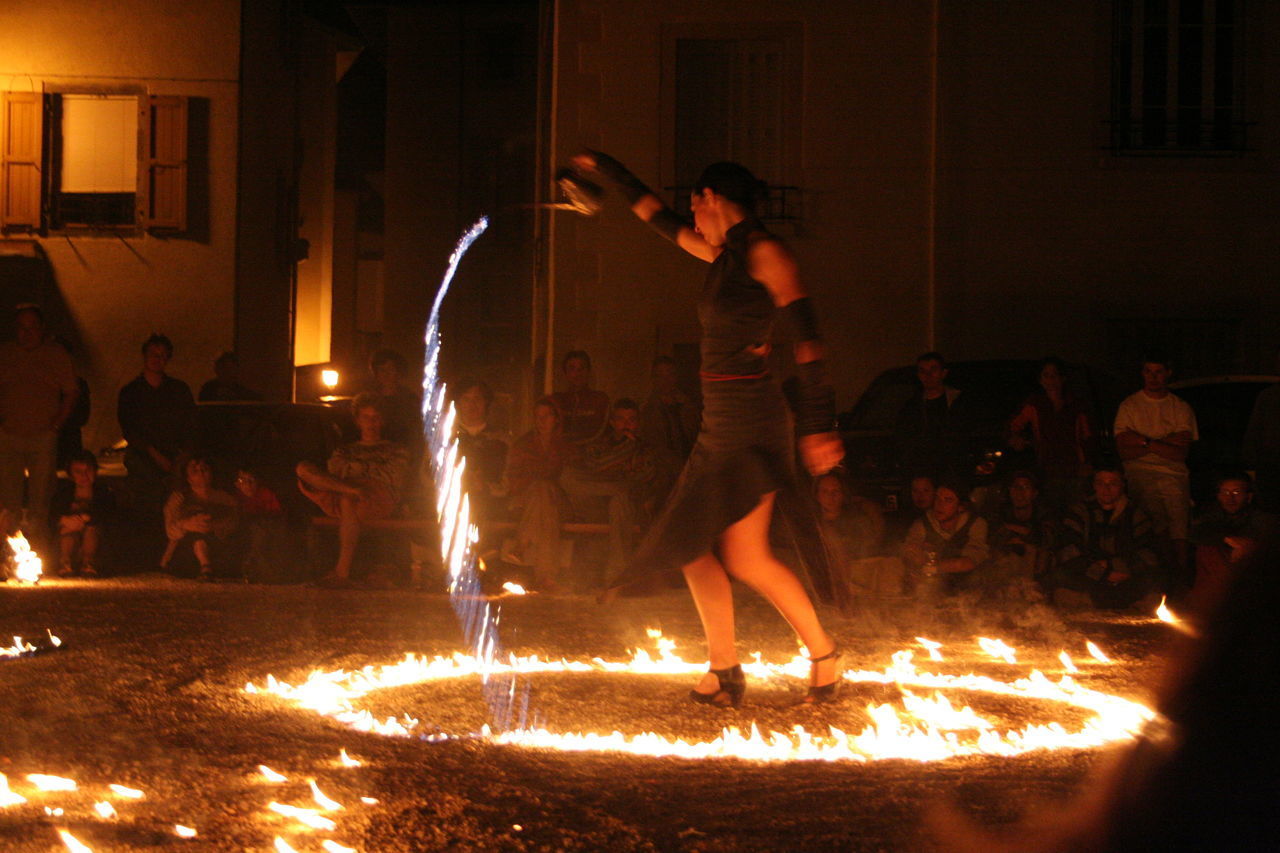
<point>507,698</point>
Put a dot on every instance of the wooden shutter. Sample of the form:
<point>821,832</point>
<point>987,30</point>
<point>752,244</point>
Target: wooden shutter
<point>166,191</point>
<point>21,118</point>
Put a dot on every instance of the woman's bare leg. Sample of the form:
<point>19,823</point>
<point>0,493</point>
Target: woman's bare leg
<point>348,535</point>
<point>747,557</point>
<point>201,549</point>
<point>713,596</point>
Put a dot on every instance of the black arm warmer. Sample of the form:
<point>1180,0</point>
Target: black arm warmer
<point>815,400</point>
<point>802,319</point>
<point>665,221</point>
<point>628,184</point>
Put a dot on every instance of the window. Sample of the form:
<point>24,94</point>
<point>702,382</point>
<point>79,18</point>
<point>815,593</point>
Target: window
<point>92,161</point>
<point>734,94</point>
<point>1178,77</point>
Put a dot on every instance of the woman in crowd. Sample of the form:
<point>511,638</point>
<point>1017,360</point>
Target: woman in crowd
<point>533,485</point>
<point>1060,432</point>
<point>200,518</point>
<point>715,524</point>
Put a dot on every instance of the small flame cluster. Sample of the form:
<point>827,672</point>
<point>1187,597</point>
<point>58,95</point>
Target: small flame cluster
<point>925,728</point>
<point>26,566</point>
<point>22,647</point>
<point>309,818</point>
<point>318,815</point>
<point>103,809</point>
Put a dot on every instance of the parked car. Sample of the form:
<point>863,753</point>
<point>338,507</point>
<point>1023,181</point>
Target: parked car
<point>1222,405</point>
<point>991,392</point>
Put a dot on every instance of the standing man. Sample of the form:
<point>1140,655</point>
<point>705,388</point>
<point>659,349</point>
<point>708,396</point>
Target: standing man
<point>1154,429</point>
<point>929,433</point>
<point>157,419</point>
<point>37,394</point>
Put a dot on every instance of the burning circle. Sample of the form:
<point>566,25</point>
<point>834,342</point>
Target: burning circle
<point>924,728</point>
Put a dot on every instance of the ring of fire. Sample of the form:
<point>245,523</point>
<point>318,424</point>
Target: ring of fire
<point>924,729</point>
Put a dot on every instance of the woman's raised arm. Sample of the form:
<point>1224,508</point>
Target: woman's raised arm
<point>646,205</point>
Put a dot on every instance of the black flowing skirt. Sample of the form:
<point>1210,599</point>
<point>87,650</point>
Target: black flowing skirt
<point>744,451</point>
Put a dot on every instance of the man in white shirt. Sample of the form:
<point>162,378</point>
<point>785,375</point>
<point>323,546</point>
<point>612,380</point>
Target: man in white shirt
<point>1154,429</point>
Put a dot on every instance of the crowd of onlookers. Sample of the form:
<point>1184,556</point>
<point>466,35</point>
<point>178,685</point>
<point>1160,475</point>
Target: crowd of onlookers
<point>1108,522</point>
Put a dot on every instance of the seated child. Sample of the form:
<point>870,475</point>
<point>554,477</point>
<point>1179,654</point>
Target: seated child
<point>82,509</point>
<point>200,518</point>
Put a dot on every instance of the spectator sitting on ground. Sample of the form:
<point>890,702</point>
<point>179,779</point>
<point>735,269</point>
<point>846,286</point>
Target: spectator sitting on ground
<point>583,411</point>
<point>262,527</point>
<point>483,446</point>
<point>620,468</point>
<point>83,512</point>
<point>37,395</point>
<point>157,419</point>
<point>853,529</point>
<point>1061,434</point>
<point>949,540</point>
<point>200,518</point>
<point>362,481</point>
<point>534,466</point>
<point>401,401</point>
<point>1154,429</point>
<point>929,433</point>
<point>225,386</point>
<point>1107,546</point>
<point>1225,536</point>
<point>1023,527</point>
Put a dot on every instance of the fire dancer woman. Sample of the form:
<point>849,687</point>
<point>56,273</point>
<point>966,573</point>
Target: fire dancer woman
<point>715,525</point>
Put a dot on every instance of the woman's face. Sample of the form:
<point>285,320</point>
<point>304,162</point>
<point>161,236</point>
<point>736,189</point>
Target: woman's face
<point>946,504</point>
<point>545,420</point>
<point>1051,379</point>
<point>199,474</point>
<point>830,497</point>
<point>369,421</point>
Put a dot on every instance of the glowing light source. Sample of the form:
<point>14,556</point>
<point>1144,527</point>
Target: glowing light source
<point>7,797</point>
<point>329,378</point>
<point>128,793</point>
<point>105,810</point>
<point>271,775</point>
<point>183,831</point>
<point>26,563</point>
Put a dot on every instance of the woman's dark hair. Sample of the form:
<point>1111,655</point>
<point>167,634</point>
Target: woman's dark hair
<point>734,182</point>
<point>368,400</point>
<point>1055,361</point>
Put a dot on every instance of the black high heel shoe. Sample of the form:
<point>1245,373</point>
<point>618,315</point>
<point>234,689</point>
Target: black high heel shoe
<point>820,694</point>
<point>732,684</point>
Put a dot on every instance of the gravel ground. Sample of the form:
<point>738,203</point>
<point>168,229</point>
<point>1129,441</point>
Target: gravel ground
<point>148,692</point>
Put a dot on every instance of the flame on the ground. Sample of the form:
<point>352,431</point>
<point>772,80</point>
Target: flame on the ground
<point>183,831</point>
<point>925,728</point>
<point>1167,616</point>
<point>307,817</point>
<point>1067,663</point>
<point>26,563</point>
<point>45,782</point>
<point>346,760</point>
<point>129,793</point>
<point>932,647</point>
<point>72,843</point>
<point>271,775</point>
<point>334,847</point>
<point>7,797</point>
<point>998,649</point>
<point>105,810</point>
<point>323,801</point>
<point>283,846</point>
<point>1096,653</point>
<point>514,588</point>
